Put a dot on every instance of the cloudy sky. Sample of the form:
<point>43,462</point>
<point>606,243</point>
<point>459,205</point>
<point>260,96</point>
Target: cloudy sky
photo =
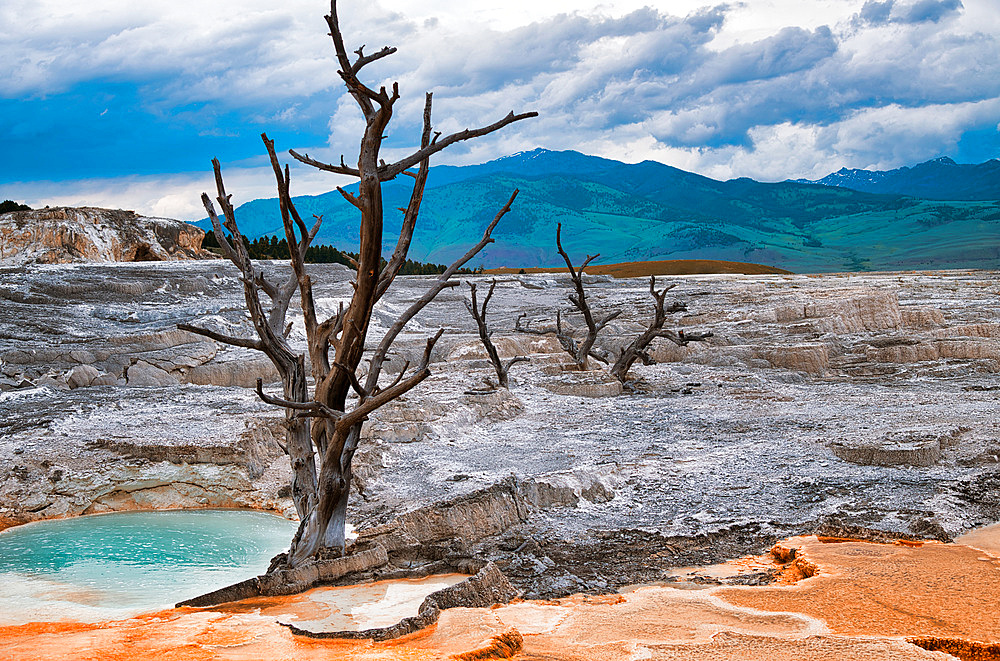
<point>123,104</point>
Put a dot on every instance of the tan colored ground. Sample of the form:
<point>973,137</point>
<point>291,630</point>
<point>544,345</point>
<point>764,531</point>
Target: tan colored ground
<point>986,539</point>
<point>664,267</point>
<point>863,602</point>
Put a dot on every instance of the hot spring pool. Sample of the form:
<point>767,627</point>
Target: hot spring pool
<point>109,566</point>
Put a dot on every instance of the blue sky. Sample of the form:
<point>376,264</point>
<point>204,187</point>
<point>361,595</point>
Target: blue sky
<point>120,104</point>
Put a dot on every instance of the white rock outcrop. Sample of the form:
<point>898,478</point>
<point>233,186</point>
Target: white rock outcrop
<point>62,235</point>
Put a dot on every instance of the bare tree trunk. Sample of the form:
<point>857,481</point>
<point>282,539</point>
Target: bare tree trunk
<point>272,335</point>
<point>636,350</point>
<point>582,351</point>
<point>299,444</point>
<point>479,315</point>
<point>322,428</point>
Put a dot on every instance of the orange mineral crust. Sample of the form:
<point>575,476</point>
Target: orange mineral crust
<point>860,588</point>
<point>6,522</point>
<point>856,601</point>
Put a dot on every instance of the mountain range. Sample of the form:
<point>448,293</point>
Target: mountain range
<point>937,179</point>
<point>937,214</point>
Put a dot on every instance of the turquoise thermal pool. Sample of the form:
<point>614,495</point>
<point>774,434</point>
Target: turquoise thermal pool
<point>114,565</point>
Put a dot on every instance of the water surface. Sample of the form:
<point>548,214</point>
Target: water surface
<point>115,565</point>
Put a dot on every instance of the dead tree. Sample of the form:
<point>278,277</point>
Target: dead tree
<point>580,351</point>
<point>272,333</point>
<point>479,314</point>
<point>636,350</point>
<point>337,344</point>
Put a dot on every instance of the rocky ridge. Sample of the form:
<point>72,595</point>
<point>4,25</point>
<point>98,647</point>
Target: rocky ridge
<point>61,235</point>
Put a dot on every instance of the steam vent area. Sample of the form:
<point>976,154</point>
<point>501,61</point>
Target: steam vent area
<point>817,479</point>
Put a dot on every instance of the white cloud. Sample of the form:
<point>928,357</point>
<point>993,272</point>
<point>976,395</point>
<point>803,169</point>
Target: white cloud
<point>763,88</point>
<point>170,196</point>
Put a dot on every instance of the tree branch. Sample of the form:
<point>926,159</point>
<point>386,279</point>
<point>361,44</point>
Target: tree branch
<point>441,283</point>
<point>368,59</point>
<point>681,339</point>
<point>326,167</point>
<point>362,94</point>
<point>518,328</point>
<point>582,351</point>
<point>361,411</point>
<point>515,359</point>
<point>316,409</point>
<point>636,350</point>
<point>398,258</point>
<point>484,334</point>
<point>391,171</point>
<point>355,384</point>
<point>219,337</point>
<point>350,198</point>
<point>399,377</point>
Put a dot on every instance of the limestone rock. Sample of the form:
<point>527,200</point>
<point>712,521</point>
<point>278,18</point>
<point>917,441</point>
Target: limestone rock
<point>843,311</point>
<point>87,234</point>
<point>568,488</point>
<point>239,373</point>
<point>870,310</point>
<point>142,374</point>
<point>467,518</point>
<point>404,421</point>
<point>500,404</point>
<point>81,376</point>
<point>254,451</point>
<point>960,349</point>
<point>85,357</point>
<point>157,340</point>
<point>588,383</point>
<point>51,381</point>
<point>915,453</point>
<point>812,358</point>
<point>970,330</point>
<point>912,448</point>
<point>180,356</point>
<point>921,317</point>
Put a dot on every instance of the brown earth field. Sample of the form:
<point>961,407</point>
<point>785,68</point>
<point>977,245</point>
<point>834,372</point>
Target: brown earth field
<point>832,599</point>
<point>663,267</point>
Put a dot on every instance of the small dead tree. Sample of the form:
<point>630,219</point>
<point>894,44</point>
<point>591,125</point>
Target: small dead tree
<point>636,350</point>
<point>327,427</point>
<point>580,351</point>
<point>479,314</point>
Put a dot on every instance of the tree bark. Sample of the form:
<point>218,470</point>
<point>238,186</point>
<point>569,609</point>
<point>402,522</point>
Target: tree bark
<point>636,350</point>
<point>324,427</point>
<point>479,315</point>
<point>580,351</point>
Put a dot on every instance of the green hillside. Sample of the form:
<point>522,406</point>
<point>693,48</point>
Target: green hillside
<point>649,211</point>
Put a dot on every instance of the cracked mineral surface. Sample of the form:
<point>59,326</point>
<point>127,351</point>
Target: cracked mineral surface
<point>853,399</point>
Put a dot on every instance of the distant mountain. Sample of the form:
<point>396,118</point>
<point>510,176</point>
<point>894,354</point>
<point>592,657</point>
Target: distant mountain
<point>651,211</point>
<point>937,179</point>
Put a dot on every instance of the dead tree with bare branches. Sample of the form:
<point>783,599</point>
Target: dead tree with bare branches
<point>479,314</point>
<point>272,332</point>
<point>343,395</point>
<point>584,350</point>
<point>636,350</point>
